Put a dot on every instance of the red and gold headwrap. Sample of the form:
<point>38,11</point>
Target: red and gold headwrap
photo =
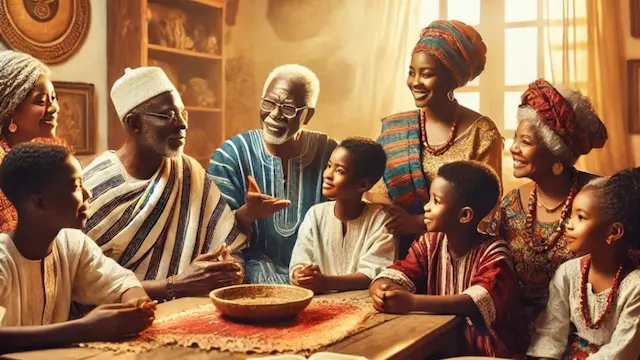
<point>558,114</point>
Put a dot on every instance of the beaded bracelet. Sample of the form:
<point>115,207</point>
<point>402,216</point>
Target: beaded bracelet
<point>171,291</point>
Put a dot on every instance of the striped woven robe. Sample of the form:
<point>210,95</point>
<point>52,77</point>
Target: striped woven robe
<point>486,273</point>
<point>157,227</point>
<point>266,261</point>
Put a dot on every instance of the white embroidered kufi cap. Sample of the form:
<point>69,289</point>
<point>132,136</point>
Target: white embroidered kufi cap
<point>137,86</point>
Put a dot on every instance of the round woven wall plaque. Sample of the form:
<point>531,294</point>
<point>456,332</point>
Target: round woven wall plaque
<point>50,30</point>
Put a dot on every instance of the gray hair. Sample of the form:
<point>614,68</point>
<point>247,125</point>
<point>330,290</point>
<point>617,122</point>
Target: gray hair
<point>300,75</point>
<point>19,73</point>
<point>585,116</point>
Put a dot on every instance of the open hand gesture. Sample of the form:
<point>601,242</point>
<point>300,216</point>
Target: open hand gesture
<point>260,205</point>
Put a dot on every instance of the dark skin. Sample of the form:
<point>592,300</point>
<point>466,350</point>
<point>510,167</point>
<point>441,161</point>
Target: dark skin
<point>533,160</point>
<point>150,139</point>
<point>281,91</point>
<point>340,183</point>
<point>430,82</point>
<point>444,213</point>
<point>590,230</point>
<point>36,116</point>
<point>63,204</point>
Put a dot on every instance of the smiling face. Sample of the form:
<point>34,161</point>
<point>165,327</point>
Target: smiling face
<point>588,228</point>
<point>283,111</point>
<point>428,80</point>
<point>339,179</point>
<point>162,125</point>
<point>531,158</point>
<point>65,199</point>
<point>37,114</point>
<point>442,212</point>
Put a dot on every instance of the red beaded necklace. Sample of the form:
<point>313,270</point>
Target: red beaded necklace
<point>583,296</point>
<point>564,215</point>
<point>441,149</point>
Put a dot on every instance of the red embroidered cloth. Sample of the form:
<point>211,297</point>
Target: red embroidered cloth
<point>323,323</point>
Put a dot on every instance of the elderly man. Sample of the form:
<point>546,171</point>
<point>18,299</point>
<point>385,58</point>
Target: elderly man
<point>283,160</point>
<point>154,209</point>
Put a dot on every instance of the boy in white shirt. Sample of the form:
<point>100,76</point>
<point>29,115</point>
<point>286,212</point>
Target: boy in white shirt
<point>47,263</point>
<point>343,244</point>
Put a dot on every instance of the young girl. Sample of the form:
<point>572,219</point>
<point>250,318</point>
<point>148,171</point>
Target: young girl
<point>455,269</point>
<point>594,301</point>
<point>343,244</point>
<point>47,262</point>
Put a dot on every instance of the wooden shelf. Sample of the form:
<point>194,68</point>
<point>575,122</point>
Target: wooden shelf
<point>185,53</point>
<point>202,109</point>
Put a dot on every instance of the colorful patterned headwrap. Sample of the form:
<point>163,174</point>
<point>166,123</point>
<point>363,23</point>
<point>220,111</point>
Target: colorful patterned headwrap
<point>458,46</point>
<point>558,114</point>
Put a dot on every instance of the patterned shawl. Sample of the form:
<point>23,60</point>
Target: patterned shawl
<point>157,227</point>
<point>400,138</point>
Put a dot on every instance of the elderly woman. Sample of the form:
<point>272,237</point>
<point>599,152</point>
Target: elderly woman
<point>555,128</point>
<point>448,55</point>
<point>28,112</point>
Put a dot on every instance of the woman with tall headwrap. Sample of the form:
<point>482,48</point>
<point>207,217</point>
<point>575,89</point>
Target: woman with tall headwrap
<point>555,127</point>
<point>28,112</point>
<point>448,55</point>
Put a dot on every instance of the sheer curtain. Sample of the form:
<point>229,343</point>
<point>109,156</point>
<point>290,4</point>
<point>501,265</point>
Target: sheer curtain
<point>583,55</point>
<point>359,49</point>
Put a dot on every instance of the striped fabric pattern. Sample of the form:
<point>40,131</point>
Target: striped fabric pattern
<point>400,138</point>
<point>273,238</point>
<point>157,227</point>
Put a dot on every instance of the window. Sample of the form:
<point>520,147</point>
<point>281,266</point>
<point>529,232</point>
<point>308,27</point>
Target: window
<point>524,40</point>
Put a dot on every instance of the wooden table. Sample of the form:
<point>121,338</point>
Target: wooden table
<point>413,336</point>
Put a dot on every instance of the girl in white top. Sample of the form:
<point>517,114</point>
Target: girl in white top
<point>593,310</point>
<point>343,244</point>
<point>47,262</point>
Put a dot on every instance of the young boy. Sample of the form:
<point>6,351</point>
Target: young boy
<point>46,263</point>
<point>343,244</point>
<point>454,269</point>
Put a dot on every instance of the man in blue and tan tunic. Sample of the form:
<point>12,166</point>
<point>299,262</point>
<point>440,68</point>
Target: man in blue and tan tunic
<point>286,162</point>
<point>154,209</point>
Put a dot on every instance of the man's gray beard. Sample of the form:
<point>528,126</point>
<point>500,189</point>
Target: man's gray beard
<point>163,148</point>
<point>276,140</point>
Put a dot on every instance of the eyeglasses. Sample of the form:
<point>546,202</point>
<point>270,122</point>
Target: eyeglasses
<point>288,111</point>
<point>171,115</point>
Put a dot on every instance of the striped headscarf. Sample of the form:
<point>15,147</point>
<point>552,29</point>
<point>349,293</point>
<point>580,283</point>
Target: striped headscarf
<point>19,73</point>
<point>458,46</point>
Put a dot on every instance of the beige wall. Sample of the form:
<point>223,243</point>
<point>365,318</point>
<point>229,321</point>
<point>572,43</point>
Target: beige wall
<point>633,52</point>
<point>89,65</point>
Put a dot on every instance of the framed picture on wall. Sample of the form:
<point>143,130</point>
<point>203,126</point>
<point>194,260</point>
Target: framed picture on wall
<point>633,76</point>
<point>76,119</point>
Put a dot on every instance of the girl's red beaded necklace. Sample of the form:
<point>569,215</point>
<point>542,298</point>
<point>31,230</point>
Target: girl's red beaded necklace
<point>584,309</point>
<point>441,149</point>
<point>564,215</point>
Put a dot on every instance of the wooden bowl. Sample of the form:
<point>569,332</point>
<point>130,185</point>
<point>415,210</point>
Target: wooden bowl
<point>260,303</point>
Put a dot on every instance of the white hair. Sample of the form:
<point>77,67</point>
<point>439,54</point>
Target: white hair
<point>585,116</point>
<point>300,75</point>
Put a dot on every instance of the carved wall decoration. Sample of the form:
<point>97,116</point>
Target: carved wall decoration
<point>50,30</point>
<point>76,119</point>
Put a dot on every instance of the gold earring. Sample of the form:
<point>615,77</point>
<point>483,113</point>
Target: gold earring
<point>12,126</point>
<point>557,168</point>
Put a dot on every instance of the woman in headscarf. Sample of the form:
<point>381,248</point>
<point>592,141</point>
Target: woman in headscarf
<point>448,55</point>
<point>28,112</point>
<point>555,127</point>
